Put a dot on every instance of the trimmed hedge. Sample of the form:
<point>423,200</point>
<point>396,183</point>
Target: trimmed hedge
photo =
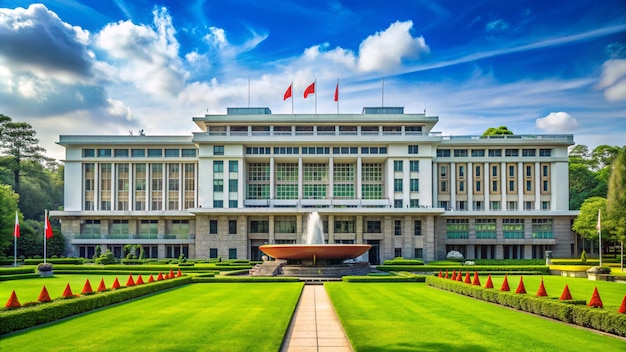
<point>75,261</point>
<point>539,269</point>
<point>204,279</point>
<point>18,270</point>
<point>387,278</point>
<point>26,317</point>
<point>5,261</point>
<point>402,261</point>
<point>19,276</point>
<point>575,312</point>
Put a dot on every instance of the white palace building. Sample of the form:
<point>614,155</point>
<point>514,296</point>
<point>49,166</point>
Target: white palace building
<point>382,177</point>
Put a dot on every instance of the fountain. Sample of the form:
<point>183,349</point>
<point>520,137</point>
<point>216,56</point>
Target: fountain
<point>315,258</point>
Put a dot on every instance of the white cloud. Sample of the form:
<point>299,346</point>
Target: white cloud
<point>497,25</point>
<point>557,122</point>
<point>216,37</point>
<point>385,50</point>
<point>613,80</point>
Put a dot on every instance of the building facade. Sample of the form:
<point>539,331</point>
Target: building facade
<point>382,177</point>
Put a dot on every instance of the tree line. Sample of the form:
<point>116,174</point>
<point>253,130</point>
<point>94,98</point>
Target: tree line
<point>30,183</point>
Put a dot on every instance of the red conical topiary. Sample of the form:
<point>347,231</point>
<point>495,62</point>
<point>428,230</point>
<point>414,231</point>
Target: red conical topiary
<point>86,288</point>
<point>489,283</point>
<point>595,299</point>
<point>541,292</point>
<point>102,286</point>
<point>171,274</point>
<point>178,273</point>
<point>67,293</point>
<point>520,288</point>
<point>440,274</point>
<point>130,282</point>
<point>139,280</point>
<point>160,277</point>
<point>459,277</point>
<point>116,284</point>
<point>467,278</point>
<point>453,275</point>
<point>447,274</point>
<point>13,302</point>
<point>566,295</point>
<point>476,280</point>
<point>622,308</point>
<point>505,284</point>
<point>44,296</point>
<point>151,278</point>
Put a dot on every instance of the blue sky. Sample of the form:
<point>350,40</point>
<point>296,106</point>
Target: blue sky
<point>110,67</point>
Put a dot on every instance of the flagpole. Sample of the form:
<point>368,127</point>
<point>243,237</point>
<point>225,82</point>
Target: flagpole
<point>45,219</point>
<point>337,96</point>
<point>600,236</point>
<point>291,97</point>
<point>314,85</point>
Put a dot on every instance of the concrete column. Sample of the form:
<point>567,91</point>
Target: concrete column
<point>537,184</point>
<point>272,179</point>
<point>408,237</point>
<point>503,185</point>
<point>470,186</point>
<point>331,177</point>
<point>359,229</point>
<point>359,178</point>
<point>452,178</point>
<point>300,177</point>
<point>487,185</point>
<point>520,186</point>
<point>272,234</point>
<point>331,229</point>
<point>299,228</point>
<point>435,177</point>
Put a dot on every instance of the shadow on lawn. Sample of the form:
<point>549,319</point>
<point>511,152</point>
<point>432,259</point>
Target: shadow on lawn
<point>429,346</point>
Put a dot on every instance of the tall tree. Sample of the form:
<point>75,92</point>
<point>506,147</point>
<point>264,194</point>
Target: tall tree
<point>616,198</point>
<point>585,223</point>
<point>604,155</point>
<point>18,143</point>
<point>8,206</point>
<point>497,131</point>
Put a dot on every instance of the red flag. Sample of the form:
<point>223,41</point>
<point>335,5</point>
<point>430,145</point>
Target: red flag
<point>48,228</point>
<point>309,90</point>
<point>16,231</point>
<point>337,92</point>
<point>288,92</point>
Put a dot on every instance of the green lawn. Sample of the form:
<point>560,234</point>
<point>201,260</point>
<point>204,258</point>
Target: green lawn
<point>27,290</point>
<point>416,317</point>
<point>196,317</point>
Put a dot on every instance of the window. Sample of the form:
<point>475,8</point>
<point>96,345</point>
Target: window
<point>414,203</point>
<point>397,165</point>
<point>397,252</point>
<point>529,171</point>
<point>529,205</point>
<point>344,226</point>
<point>461,171</point>
<point>218,185</point>
<point>545,205</point>
<point>218,150</point>
<point>212,252</point>
<point>397,203</point>
<point>457,228</point>
<point>104,153</point>
<point>478,205</point>
<point>546,185</point>
<point>545,152</point>
<point>189,153</point>
<point>419,253</point>
<point>397,227</point>
<point>545,171</point>
<point>477,173</point>
<point>513,228</point>
<point>542,228</point>
<point>415,185</point>
<point>443,187</point>
<point>529,185</point>
<point>232,227</point>
<point>218,204</point>
<point>460,153</point>
<point>414,165</point>
<point>443,153</point>
<point>89,153</point>
<point>213,227</point>
<point>495,152</point>
<point>485,228</point>
<point>495,205</point>
<point>494,186</point>
<point>232,253</point>
<point>233,203</point>
<point>285,225</point>
<point>511,205</point>
<point>478,152</point>
<point>397,185</point>
<point>443,172</point>
<point>218,166</point>
<point>138,153</point>
<point>120,153</point>
<point>233,185</point>
<point>511,152</point>
<point>233,166</point>
<point>413,149</point>
<point>155,153</point>
<point>494,171</point>
<point>417,227</point>
<point>259,226</point>
<point>172,153</point>
<point>372,227</point>
<point>511,186</point>
<point>528,152</point>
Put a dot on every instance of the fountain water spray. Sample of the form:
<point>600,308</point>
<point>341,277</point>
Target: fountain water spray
<point>314,233</point>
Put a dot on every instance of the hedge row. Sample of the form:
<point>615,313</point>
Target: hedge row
<point>17,270</point>
<point>4,261</point>
<point>402,261</point>
<point>19,276</point>
<point>145,268</point>
<point>204,279</point>
<point>387,278</point>
<point>540,269</point>
<point>75,261</point>
<point>576,313</point>
<point>26,317</point>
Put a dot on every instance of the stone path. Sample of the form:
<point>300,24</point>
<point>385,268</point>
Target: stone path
<point>315,326</point>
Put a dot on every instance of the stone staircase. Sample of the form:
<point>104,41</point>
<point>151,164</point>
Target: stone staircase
<point>267,268</point>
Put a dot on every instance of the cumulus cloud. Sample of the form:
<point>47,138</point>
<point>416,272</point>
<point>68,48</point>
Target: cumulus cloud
<point>613,80</point>
<point>145,56</point>
<point>385,50</point>
<point>557,122</point>
<point>36,40</point>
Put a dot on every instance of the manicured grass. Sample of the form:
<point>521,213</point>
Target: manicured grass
<point>416,317</point>
<point>196,317</point>
<point>611,293</point>
<point>27,290</point>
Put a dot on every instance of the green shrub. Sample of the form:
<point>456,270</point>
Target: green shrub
<point>75,261</point>
<point>388,278</point>
<point>203,279</point>
<point>583,257</point>
<point>106,258</point>
<point>402,261</point>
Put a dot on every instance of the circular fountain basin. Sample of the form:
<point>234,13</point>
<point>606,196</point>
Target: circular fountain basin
<point>317,251</point>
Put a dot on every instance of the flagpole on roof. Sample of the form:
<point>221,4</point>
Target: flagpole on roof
<point>291,86</point>
<point>337,95</point>
<point>315,83</point>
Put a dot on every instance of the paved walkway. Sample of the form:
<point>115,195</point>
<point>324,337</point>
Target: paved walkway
<point>315,326</point>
